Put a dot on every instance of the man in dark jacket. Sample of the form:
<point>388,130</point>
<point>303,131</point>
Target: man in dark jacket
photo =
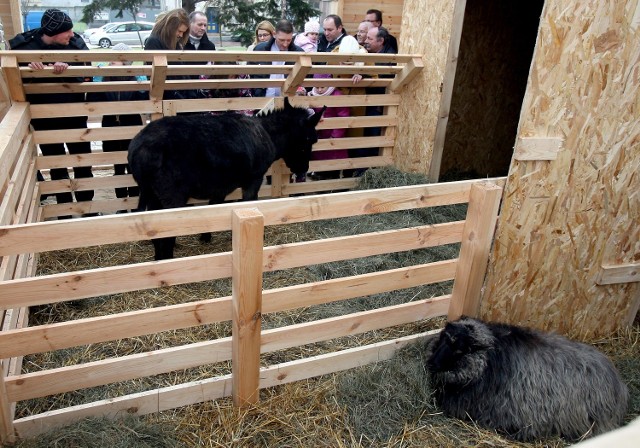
<point>333,32</point>
<point>56,34</point>
<point>282,40</point>
<point>198,39</point>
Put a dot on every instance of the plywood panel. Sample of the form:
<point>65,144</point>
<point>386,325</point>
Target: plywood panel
<point>563,219</point>
<point>427,28</point>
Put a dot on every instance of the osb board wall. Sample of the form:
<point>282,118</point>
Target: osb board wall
<point>426,29</point>
<point>562,219</point>
<point>352,12</point>
<point>495,54</point>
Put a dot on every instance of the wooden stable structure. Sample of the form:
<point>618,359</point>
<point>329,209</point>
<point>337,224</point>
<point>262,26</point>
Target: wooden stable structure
<point>24,235</point>
<point>29,228</point>
<point>566,251</point>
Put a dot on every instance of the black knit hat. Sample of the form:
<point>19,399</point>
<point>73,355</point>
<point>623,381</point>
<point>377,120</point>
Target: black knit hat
<point>55,22</point>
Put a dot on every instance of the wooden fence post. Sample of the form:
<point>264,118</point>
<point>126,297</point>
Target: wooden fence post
<point>247,243</point>
<point>7,431</point>
<point>477,235</point>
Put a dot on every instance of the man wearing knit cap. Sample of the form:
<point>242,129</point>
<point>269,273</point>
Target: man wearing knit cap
<point>56,33</point>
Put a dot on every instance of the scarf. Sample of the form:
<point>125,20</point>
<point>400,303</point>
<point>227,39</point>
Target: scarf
<point>195,41</point>
<point>329,91</point>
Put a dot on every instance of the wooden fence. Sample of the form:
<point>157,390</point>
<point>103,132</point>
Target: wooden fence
<point>160,69</point>
<point>245,265</point>
<point>24,234</point>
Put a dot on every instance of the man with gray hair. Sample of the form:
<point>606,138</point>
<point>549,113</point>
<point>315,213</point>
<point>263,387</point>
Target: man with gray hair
<point>363,29</point>
<point>198,39</point>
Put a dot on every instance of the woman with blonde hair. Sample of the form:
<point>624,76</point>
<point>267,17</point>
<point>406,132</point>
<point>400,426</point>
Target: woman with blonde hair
<point>264,31</point>
<point>170,32</point>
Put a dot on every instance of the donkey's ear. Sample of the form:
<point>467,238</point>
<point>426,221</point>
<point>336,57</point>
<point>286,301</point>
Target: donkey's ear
<point>287,104</point>
<point>315,118</point>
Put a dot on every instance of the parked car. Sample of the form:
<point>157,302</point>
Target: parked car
<point>130,33</point>
<point>90,31</point>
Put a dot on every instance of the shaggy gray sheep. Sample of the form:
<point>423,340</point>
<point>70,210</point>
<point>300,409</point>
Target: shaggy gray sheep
<point>525,383</point>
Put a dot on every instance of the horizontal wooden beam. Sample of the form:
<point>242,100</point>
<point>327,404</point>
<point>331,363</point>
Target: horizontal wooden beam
<point>54,235</point>
<point>621,273</point>
<point>537,148</point>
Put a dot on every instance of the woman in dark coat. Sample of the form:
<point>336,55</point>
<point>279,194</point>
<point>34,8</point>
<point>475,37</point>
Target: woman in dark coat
<point>171,32</point>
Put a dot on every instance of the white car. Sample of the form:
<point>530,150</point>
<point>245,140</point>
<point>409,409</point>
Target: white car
<point>130,33</point>
<point>90,31</point>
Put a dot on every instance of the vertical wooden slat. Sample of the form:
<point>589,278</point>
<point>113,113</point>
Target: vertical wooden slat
<point>14,80</point>
<point>158,79</point>
<point>247,243</point>
<point>477,235</point>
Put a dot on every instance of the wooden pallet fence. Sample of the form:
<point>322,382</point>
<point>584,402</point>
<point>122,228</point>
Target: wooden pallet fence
<point>245,264</point>
<point>159,68</point>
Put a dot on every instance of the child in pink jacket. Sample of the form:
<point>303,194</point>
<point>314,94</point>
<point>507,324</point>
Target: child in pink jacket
<point>331,112</point>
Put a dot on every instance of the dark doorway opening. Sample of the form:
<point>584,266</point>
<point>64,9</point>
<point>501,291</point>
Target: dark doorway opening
<point>496,49</point>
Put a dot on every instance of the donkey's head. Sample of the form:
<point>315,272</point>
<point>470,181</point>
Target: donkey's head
<point>299,135</point>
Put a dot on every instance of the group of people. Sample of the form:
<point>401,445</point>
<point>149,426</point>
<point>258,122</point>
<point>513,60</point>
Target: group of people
<point>176,29</point>
<point>371,37</point>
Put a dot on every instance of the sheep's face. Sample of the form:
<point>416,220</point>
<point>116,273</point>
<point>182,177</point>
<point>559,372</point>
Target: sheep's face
<point>459,355</point>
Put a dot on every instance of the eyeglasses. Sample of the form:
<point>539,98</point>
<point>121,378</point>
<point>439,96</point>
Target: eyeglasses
<point>264,35</point>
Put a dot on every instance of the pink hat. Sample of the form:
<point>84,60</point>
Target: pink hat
<point>311,27</point>
<point>322,75</point>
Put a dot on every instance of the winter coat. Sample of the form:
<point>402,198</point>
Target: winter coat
<point>325,47</point>
<point>32,40</point>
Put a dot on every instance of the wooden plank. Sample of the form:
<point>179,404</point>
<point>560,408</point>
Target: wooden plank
<point>92,109</point>
<point>158,77</point>
<point>200,391</point>
<point>408,74</point>
<point>14,127</point>
<point>621,273</point>
<point>25,56</point>
<point>477,238</point>
<point>86,135</point>
<point>63,379</point>
<point>51,235</point>
<point>11,72</point>
<point>352,142</point>
<point>93,183</point>
<point>246,280</point>
<point>537,148</point>
<point>298,73</point>
<point>137,323</point>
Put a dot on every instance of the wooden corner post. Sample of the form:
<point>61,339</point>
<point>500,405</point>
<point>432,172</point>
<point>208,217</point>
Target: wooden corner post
<point>477,235</point>
<point>247,247</point>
